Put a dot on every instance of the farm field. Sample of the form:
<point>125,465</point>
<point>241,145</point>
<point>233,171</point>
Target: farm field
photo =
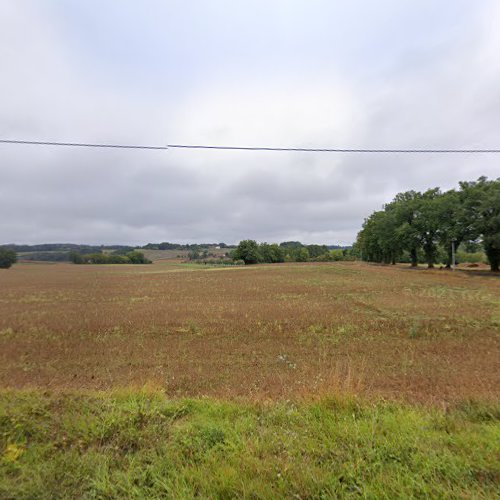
<point>313,380</point>
<point>258,332</point>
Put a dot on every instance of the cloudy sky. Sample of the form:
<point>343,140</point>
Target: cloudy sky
<point>308,73</point>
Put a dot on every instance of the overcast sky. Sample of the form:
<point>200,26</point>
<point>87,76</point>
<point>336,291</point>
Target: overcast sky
<point>309,73</point>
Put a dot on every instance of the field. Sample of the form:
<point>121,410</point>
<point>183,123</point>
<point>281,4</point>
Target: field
<point>297,379</point>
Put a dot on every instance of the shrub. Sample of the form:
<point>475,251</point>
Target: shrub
<point>7,258</point>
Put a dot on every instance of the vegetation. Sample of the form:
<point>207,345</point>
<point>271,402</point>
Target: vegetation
<point>7,258</point>
<point>332,380</point>
<point>251,252</point>
<point>134,257</point>
<point>142,445</point>
<point>427,223</point>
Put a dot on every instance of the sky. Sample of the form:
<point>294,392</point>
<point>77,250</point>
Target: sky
<point>309,73</point>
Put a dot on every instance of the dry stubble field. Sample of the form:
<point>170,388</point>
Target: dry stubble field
<point>264,332</point>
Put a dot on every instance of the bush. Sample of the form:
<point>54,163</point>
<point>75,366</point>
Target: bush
<point>471,257</point>
<point>7,258</point>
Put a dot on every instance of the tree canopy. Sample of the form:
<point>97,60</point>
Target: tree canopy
<point>427,223</point>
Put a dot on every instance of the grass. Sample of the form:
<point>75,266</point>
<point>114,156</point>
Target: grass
<point>142,445</point>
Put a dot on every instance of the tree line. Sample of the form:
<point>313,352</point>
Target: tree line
<point>251,252</point>
<point>133,257</point>
<point>428,224</point>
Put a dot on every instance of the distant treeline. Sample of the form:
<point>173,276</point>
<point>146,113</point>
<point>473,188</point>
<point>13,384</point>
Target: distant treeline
<point>60,252</point>
<point>424,225</point>
<point>63,247</point>
<point>180,246</point>
<point>251,252</point>
<point>201,246</point>
<point>133,257</point>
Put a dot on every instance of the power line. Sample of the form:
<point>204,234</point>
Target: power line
<point>336,150</point>
<point>249,148</point>
<point>78,144</point>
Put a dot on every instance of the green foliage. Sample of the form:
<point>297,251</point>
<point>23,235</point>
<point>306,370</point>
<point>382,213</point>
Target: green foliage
<point>247,251</point>
<point>134,257</point>
<point>142,445</point>
<point>7,258</point>
<point>415,224</point>
<point>302,255</point>
<point>271,253</point>
<point>472,257</point>
<point>252,252</point>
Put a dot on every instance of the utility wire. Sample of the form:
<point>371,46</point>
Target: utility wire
<point>248,148</point>
<point>78,144</point>
<point>336,150</point>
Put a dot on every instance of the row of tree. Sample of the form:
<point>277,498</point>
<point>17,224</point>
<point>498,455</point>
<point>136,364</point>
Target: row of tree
<point>416,223</point>
<point>133,257</point>
<point>251,252</point>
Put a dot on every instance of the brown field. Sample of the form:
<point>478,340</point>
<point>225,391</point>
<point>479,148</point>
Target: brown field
<point>270,331</point>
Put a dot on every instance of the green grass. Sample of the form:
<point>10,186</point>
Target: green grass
<point>142,445</point>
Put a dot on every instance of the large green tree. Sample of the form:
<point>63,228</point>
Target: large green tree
<point>405,207</point>
<point>248,251</point>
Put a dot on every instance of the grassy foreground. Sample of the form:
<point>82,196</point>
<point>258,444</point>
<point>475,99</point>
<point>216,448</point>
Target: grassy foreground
<point>140,444</point>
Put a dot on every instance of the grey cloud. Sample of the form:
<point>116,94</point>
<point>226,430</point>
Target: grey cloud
<point>339,75</point>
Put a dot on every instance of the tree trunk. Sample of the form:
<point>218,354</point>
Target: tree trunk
<point>413,256</point>
<point>493,255</point>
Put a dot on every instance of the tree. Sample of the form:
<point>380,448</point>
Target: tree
<point>137,257</point>
<point>271,253</point>
<point>76,258</point>
<point>317,250</point>
<point>248,252</point>
<point>303,255</point>
<point>193,254</point>
<point>481,202</point>
<point>7,258</point>
<point>427,224</point>
<point>489,221</point>
<point>406,206</point>
<point>291,244</point>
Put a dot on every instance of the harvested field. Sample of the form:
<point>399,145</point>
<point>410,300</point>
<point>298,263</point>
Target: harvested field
<point>261,332</point>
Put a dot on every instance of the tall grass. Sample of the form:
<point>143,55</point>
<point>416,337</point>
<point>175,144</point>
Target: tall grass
<point>141,445</point>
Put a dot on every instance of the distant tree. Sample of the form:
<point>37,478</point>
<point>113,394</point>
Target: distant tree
<point>271,253</point>
<point>76,258</point>
<point>291,244</point>
<point>7,258</point>
<point>303,255</point>
<point>248,252</point>
<point>136,257</point>
<point>193,254</point>
<point>317,250</point>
